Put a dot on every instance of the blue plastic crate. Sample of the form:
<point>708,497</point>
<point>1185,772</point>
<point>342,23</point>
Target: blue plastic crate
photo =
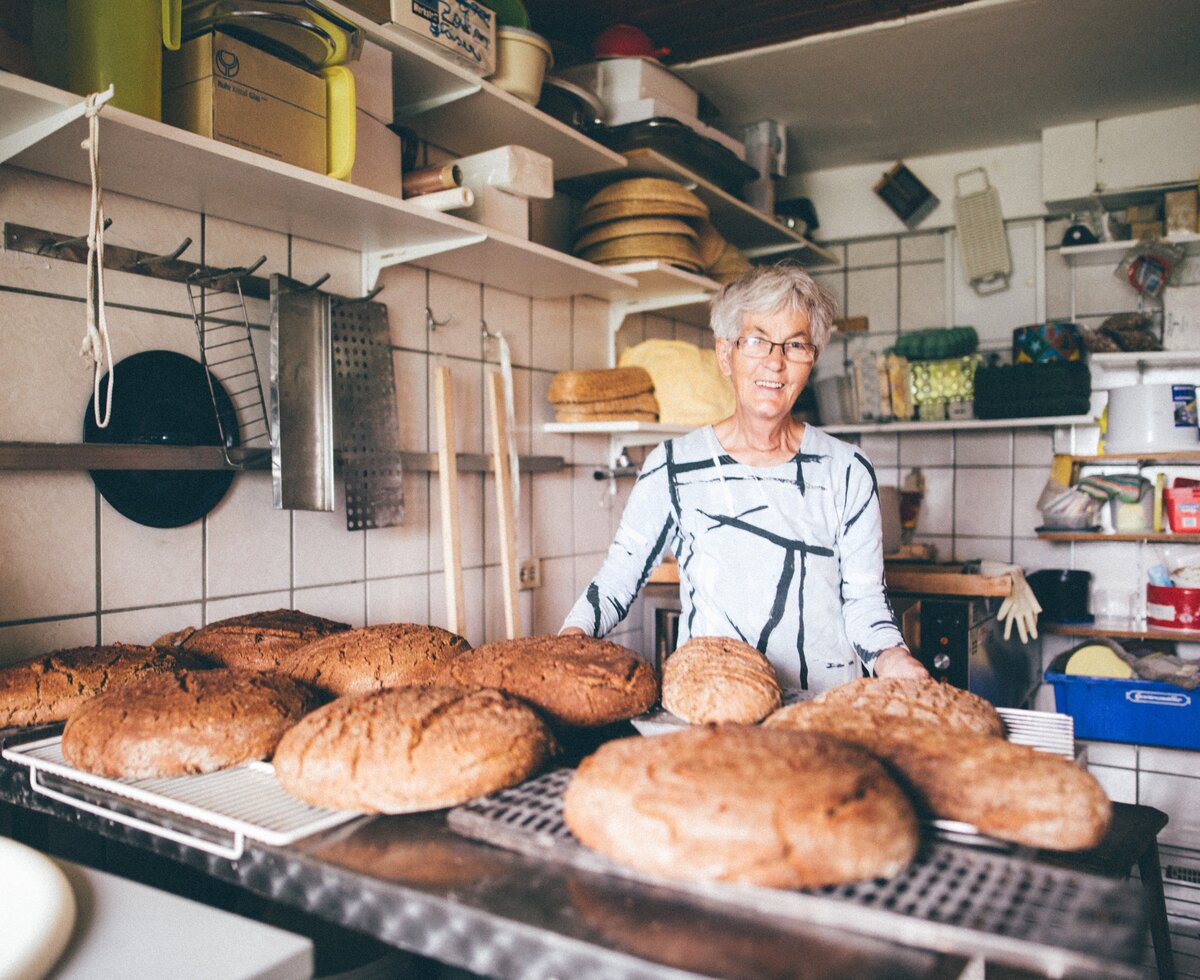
<point>1142,712</point>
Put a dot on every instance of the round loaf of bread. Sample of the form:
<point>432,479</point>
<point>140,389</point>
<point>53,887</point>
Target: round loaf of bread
<point>1008,791</point>
<point>259,641</point>
<point>715,679</point>
<point>407,749</point>
<point>49,688</point>
<point>950,707</point>
<point>741,803</point>
<point>184,723</point>
<point>375,657</point>
<point>575,680</point>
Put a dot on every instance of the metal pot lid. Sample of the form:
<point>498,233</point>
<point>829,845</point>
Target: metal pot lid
<point>582,100</point>
<point>162,399</point>
<point>303,32</point>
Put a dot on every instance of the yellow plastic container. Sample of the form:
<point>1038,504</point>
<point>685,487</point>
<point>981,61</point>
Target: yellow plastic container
<point>107,43</point>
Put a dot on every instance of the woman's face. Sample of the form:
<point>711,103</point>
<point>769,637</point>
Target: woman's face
<point>769,386</point>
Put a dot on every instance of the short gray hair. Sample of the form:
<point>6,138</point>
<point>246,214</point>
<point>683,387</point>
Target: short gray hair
<point>770,289</point>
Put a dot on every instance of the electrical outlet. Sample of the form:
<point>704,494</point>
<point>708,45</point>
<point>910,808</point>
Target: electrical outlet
<point>529,575</point>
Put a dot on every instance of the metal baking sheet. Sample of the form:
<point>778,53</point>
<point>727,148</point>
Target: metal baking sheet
<point>952,898</point>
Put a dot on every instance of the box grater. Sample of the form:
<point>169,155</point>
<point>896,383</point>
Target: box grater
<point>981,235</point>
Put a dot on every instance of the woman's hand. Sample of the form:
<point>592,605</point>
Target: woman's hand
<point>898,662</point>
<point>571,631</point>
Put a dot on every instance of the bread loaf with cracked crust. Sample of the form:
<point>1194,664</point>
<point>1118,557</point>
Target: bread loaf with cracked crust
<point>407,749</point>
<point>46,689</point>
<point>375,657</point>
<point>189,722</point>
<point>259,641</point>
<point>1008,791</point>
<point>575,680</point>
<point>920,699</point>
<point>742,803</point>
<point>715,679</point>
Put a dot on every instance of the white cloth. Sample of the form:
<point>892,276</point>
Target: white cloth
<point>786,558</point>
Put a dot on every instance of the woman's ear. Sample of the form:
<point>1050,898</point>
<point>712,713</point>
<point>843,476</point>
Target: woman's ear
<point>724,350</point>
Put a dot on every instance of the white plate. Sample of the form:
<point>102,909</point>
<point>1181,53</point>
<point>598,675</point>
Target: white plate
<point>37,907</point>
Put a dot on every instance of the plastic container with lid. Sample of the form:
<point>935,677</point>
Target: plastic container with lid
<point>522,60</point>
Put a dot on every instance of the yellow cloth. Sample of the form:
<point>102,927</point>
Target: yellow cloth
<point>688,383</point>
<point>1098,661</point>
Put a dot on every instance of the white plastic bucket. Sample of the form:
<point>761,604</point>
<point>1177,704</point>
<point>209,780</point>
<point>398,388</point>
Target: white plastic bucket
<point>1152,418</point>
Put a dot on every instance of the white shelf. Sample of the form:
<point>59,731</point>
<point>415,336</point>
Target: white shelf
<point>1146,358</point>
<point>647,429</point>
<point>153,161</point>
<point>1110,253</point>
<point>1048,422</point>
<point>662,287</point>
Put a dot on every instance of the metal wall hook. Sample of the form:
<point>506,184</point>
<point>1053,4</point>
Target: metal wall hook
<point>50,245</point>
<point>348,300</point>
<point>486,333</point>
<point>315,284</point>
<point>431,322</point>
<point>210,276</point>
<point>153,260</point>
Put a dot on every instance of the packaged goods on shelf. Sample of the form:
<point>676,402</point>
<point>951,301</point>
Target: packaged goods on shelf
<point>378,157</point>
<point>503,180</point>
<point>463,29</point>
<point>1012,391</point>
<point>939,384</point>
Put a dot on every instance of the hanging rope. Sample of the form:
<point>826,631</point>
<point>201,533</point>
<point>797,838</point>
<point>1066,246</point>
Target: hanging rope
<point>96,347</point>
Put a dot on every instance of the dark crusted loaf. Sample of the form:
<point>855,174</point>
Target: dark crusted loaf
<point>259,641</point>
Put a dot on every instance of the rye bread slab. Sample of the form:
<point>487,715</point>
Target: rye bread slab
<point>259,641</point>
<point>936,702</point>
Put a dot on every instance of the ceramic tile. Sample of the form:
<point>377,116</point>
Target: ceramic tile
<point>143,566</point>
<point>511,315</point>
<point>974,548</point>
<point>618,497</point>
<point>344,603</point>
<point>398,600</point>
<point>1032,554</point>
<point>1114,565</point>
<point>631,333</point>
<point>591,451</point>
<point>414,399</point>
<point>466,382</point>
<point>589,333</point>
<point>1115,755</point>
<point>541,411</point>
<point>881,449</point>
<point>879,251</point>
<point>522,428</point>
<point>930,247</point>
<point>216,610</point>
<point>591,512</point>
<point>248,540</point>
<point>1033,447</point>
<point>228,244</point>
<point>460,303</point>
<point>1180,797</point>
<point>323,551</point>
<point>404,549</point>
<point>987,448</point>
<point>995,314</point>
<point>1119,784</point>
<point>983,502</point>
<point>926,449</point>
<point>405,295</point>
<point>1059,286</point>
<point>35,639</point>
<point>943,546</point>
<point>1173,761</point>
<point>835,282</point>
<point>495,624</point>
<point>312,260</point>
<point>474,629</point>
<point>659,327</point>
<point>470,519</point>
<point>1027,488</point>
<point>937,507</point>
<point>1099,293</point>
<point>551,336</point>
<point>491,521</point>
<point>587,565</point>
<point>554,599</point>
<point>922,296</point>
<point>701,337</point>
<point>553,510</point>
<point>144,626</point>
<point>873,293</point>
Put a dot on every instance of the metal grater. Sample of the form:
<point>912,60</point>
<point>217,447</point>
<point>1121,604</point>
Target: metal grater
<point>366,426</point>
<point>955,899</point>
<point>981,235</point>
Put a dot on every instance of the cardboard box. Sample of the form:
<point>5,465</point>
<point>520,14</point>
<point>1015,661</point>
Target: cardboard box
<point>373,81</point>
<point>464,29</point>
<point>1136,213</point>
<point>219,87</point>
<point>378,157</point>
<point>1145,229</point>
<point>500,211</point>
<point>515,169</point>
<point>1181,210</point>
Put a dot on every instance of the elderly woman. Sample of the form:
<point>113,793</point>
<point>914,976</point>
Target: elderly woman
<point>775,524</point>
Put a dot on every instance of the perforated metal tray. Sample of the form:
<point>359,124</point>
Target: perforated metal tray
<point>956,899</point>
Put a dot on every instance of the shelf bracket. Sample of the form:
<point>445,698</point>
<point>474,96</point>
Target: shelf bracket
<point>373,263</point>
<point>35,132</point>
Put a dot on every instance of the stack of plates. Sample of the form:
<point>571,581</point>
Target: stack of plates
<point>642,218</point>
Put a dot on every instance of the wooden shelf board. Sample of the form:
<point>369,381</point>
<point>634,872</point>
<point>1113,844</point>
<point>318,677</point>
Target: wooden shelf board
<point>1146,358</point>
<point>663,288</point>
<point>1104,253</point>
<point>1048,422</point>
<point>1159,536</point>
<point>1164,458</point>
<point>1121,631</point>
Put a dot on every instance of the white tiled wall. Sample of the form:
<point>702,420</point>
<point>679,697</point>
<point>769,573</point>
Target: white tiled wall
<point>74,571</point>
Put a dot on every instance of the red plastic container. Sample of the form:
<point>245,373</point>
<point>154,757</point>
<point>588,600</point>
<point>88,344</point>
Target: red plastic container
<point>1183,509</point>
<point>1172,608</point>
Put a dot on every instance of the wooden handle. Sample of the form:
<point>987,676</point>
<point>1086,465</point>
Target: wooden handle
<point>448,495</point>
<point>504,504</point>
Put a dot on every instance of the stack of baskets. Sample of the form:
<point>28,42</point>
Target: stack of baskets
<point>641,218</point>
<point>616,394</point>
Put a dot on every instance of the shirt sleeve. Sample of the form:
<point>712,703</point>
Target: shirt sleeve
<point>869,621</point>
<point>646,528</point>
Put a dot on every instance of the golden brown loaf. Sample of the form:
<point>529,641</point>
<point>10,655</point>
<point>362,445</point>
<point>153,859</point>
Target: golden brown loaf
<point>742,803</point>
<point>575,680</point>
<point>183,723</point>
<point>1008,791</point>
<point>407,749</point>
<point>259,641</point>
<point>370,659</point>
<point>574,387</point>
<point>715,678</point>
<point>952,708</point>
<point>49,688</point>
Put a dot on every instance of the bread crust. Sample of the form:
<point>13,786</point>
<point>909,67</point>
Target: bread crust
<point>935,702</point>
<point>375,657</point>
<point>716,679</point>
<point>47,689</point>
<point>1008,791</point>
<point>184,723</point>
<point>259,641</point>
<point>407,749</point>
<point>575,680</point>
<point>598,384</point>
<point>745,804</point>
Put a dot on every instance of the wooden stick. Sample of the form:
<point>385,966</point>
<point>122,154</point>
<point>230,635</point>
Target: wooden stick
<point>448,491</point>
<point>505,505</point>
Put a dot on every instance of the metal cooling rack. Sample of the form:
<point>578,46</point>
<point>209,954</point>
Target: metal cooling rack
<point>244,802</point>
<point>952,899</point>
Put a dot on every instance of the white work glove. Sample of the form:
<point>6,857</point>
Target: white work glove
<point>1021,606</point>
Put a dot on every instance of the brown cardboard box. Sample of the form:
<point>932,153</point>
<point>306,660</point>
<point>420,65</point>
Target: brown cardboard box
<point>1181,210</point>
<point>234,93</point>
<point>378,157</point>
<point>1145,229</point>
<point>463,29</point>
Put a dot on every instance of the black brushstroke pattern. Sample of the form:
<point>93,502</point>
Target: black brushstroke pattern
<point>593,598</point>
<point>800,626</point>
<point>790,543</point>
<point>780,603</point>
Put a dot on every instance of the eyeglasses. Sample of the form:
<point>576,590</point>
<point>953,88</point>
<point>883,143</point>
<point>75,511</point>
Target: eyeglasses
<point>796,351</point>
